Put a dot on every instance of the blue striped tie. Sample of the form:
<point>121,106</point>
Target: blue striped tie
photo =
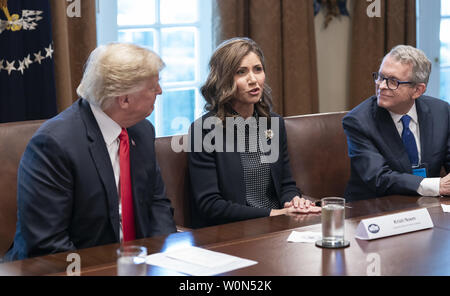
<point>409,141</point>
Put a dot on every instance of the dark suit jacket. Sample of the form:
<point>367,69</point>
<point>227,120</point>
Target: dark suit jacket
<point>67,197</point>
<point>379,162</point>
<point>218,186</point>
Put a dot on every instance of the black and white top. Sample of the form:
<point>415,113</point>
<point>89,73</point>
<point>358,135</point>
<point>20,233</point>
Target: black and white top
<point>259,188</point>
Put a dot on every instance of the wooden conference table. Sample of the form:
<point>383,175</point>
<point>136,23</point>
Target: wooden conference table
<point>425,252</point>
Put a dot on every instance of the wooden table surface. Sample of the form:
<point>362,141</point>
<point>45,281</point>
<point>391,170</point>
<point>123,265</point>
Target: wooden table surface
<point>425,252</point>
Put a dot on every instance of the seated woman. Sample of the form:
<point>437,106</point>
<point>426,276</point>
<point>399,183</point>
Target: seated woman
<point>233,174</point>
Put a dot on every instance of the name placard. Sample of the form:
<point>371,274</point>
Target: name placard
<point>394,224</point>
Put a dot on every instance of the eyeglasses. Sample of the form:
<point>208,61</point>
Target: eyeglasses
<point>391,83</point>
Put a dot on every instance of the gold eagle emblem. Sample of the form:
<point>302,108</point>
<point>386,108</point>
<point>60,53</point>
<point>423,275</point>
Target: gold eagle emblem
<point>14,22</point>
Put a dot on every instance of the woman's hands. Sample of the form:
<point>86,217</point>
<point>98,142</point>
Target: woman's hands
<point>298,205</point>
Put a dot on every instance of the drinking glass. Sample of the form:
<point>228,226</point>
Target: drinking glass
<point>333,221</point>
<point>131,260</point>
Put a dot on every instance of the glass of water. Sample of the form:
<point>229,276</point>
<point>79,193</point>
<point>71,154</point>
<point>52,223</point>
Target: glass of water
<point>333,221</point>
<point>131,260</point>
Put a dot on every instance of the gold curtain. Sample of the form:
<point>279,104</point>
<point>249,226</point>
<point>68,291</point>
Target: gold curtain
<point>74,38</point>
<point>285,31</point>
<point>373,38</point>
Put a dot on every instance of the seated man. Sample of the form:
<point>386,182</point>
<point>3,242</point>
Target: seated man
<point>89,176</point>
<point>398,140</point>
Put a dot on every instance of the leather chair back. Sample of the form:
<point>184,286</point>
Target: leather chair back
<point>318,154</point>
<point>14,138</point>
<point>174,172</point>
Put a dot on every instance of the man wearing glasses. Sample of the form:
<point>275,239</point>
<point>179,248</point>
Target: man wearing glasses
<point>398,140</point>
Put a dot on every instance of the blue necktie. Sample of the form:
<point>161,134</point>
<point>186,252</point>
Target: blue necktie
<point>409,141</point>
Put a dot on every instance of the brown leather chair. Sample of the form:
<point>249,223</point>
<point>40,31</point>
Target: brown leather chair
<point>14,137</point>
<point>318,154</point>
<point>174,172</point>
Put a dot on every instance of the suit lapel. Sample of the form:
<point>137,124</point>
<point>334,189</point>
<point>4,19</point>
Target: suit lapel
<point>391,138</point>
<point>100,156</point>
<point>236,176</point>
<point>426,129</point>
<point>236,172</point>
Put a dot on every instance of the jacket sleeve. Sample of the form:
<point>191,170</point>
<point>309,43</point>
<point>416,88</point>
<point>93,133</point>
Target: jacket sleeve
<point>447,156</point>
<point>44,198</point>
<point>371,166</point>
<point>161,208</point>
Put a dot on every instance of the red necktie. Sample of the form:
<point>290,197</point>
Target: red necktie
<point>125,188</point>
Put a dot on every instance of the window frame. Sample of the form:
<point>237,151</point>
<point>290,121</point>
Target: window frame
<point>107,31</point>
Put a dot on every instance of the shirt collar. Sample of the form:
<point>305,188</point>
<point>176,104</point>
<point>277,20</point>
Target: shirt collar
<point>412,113</point>
<point>234,112</point>
<point>109,128</point>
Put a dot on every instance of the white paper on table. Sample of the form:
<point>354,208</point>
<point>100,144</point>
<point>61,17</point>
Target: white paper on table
<point>445,208</point>
<point>197,261</point>
<point>304,237</point>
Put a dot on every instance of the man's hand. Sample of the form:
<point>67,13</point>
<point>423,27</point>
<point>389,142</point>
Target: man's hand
<point>444,185</point>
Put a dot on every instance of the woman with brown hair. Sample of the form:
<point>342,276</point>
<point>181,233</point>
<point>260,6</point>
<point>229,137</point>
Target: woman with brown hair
<point>241,170</point>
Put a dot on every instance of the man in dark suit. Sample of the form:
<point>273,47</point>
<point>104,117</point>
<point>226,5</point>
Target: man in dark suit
<point>398,140</point>
<point>78,186</point>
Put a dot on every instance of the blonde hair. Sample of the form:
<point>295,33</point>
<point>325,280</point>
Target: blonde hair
<point>220,88</point>
<point>406,54</point>
<point>117,69</point>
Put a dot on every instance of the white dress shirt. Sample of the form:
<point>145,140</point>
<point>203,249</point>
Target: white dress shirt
<point>111,131</point>
<point>428,186</point>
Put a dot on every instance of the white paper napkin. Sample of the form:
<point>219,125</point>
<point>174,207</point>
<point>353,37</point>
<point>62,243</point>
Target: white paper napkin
<point>304,237</point>
<point>198,261</point>
<point>445,208</point>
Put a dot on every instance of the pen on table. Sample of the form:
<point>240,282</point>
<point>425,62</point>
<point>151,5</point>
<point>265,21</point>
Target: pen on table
<point>319,204</point>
